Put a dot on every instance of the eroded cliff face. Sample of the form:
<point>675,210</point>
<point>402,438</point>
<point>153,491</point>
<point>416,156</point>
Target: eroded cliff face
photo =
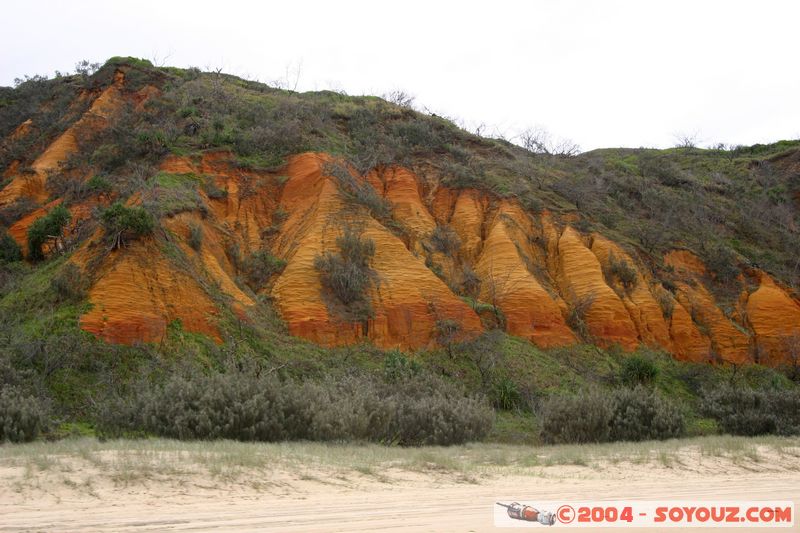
<point>534,274</point>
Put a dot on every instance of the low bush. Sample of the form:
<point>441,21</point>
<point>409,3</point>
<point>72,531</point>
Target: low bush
<point>98,184</point>
<point>409,410</point>
<point>470,282</point>
<point>9,249</point>
<point>360,192</point>
<point>576,318</point>
<point>744,411</point>
<point>642,414</point>
<point>623,414</point>
<point>260,266</point>
<point>47,228</point>
<point>195,237</point>
<point>583,418</point>
<point>70,283</point>
<point>622,271</point>
<point>637,370</point>
<point>22,417</point>
<point>445,240</point>
<point>121,221</point>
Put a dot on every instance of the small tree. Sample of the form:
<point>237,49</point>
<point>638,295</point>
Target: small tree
<point>539,141</point>
<point>121,221</point>
<point>47,228</point>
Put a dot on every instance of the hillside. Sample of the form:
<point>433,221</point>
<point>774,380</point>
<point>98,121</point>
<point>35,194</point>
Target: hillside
<point>247,188</point>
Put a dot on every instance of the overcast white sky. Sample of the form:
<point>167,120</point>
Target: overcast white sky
<point>603,73</point>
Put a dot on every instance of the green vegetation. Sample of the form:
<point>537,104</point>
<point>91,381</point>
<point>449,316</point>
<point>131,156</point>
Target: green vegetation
<point>445,240</point>
<point>244,406</point>
<point>47,228</point>
<point>638,370</point>
<point>9,249</point>
<point>120,222</point>
<point>735,208</point>
<point>260,266</point>
<point>741,411</point>
<point>623,415</point>
<point>22,417</point>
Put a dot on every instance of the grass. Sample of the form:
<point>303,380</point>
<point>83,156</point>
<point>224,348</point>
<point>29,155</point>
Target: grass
<point>85,462</point>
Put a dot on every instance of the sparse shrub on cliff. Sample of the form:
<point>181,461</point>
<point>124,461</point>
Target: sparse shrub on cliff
<point>195,236</point>
<point>212,191</point>
<point>47,228</point>
<point>9,249</point>
<point>347,274</point>
<point>22,417</point>
<point>98,184</point>
<point>619,269</point>
<point>743,411</point>
<point>260,266</point>
<point>470,282</point>
<point>576,317</point>
<point>445,240</point>
<point>637,370</point>
<point>360,191</point>
<point>666,303</point>
<point>121,222</point>
<point>70,283</point>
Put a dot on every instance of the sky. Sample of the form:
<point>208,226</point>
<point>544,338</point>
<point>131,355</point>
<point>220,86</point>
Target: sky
<point>600,73</point>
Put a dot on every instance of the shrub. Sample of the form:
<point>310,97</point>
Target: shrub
<point>360,192</point>
<point>447,331</point>
<point>583,418</point>
<point>9,249</point>
<point>506,395</point>
<point>69,283</point>
<point>470,281</point>
<point>576,318</point>
<point>98,184</point>
<point>22,417</point>
<point>409,410</point>
<point>260,266</point>
<point>347,275</point>
<point>637,370</point>
<point>666,303</point>
<point>45,228</point>
<point>623,414</point>
<point>622,271</point>
<point>744,411</point>
<point>396,366</point>
<point>445,240</point>
<point>196,236</point>
<point>723,262</point>
<point>121,221</point>
<point>642,414</point>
